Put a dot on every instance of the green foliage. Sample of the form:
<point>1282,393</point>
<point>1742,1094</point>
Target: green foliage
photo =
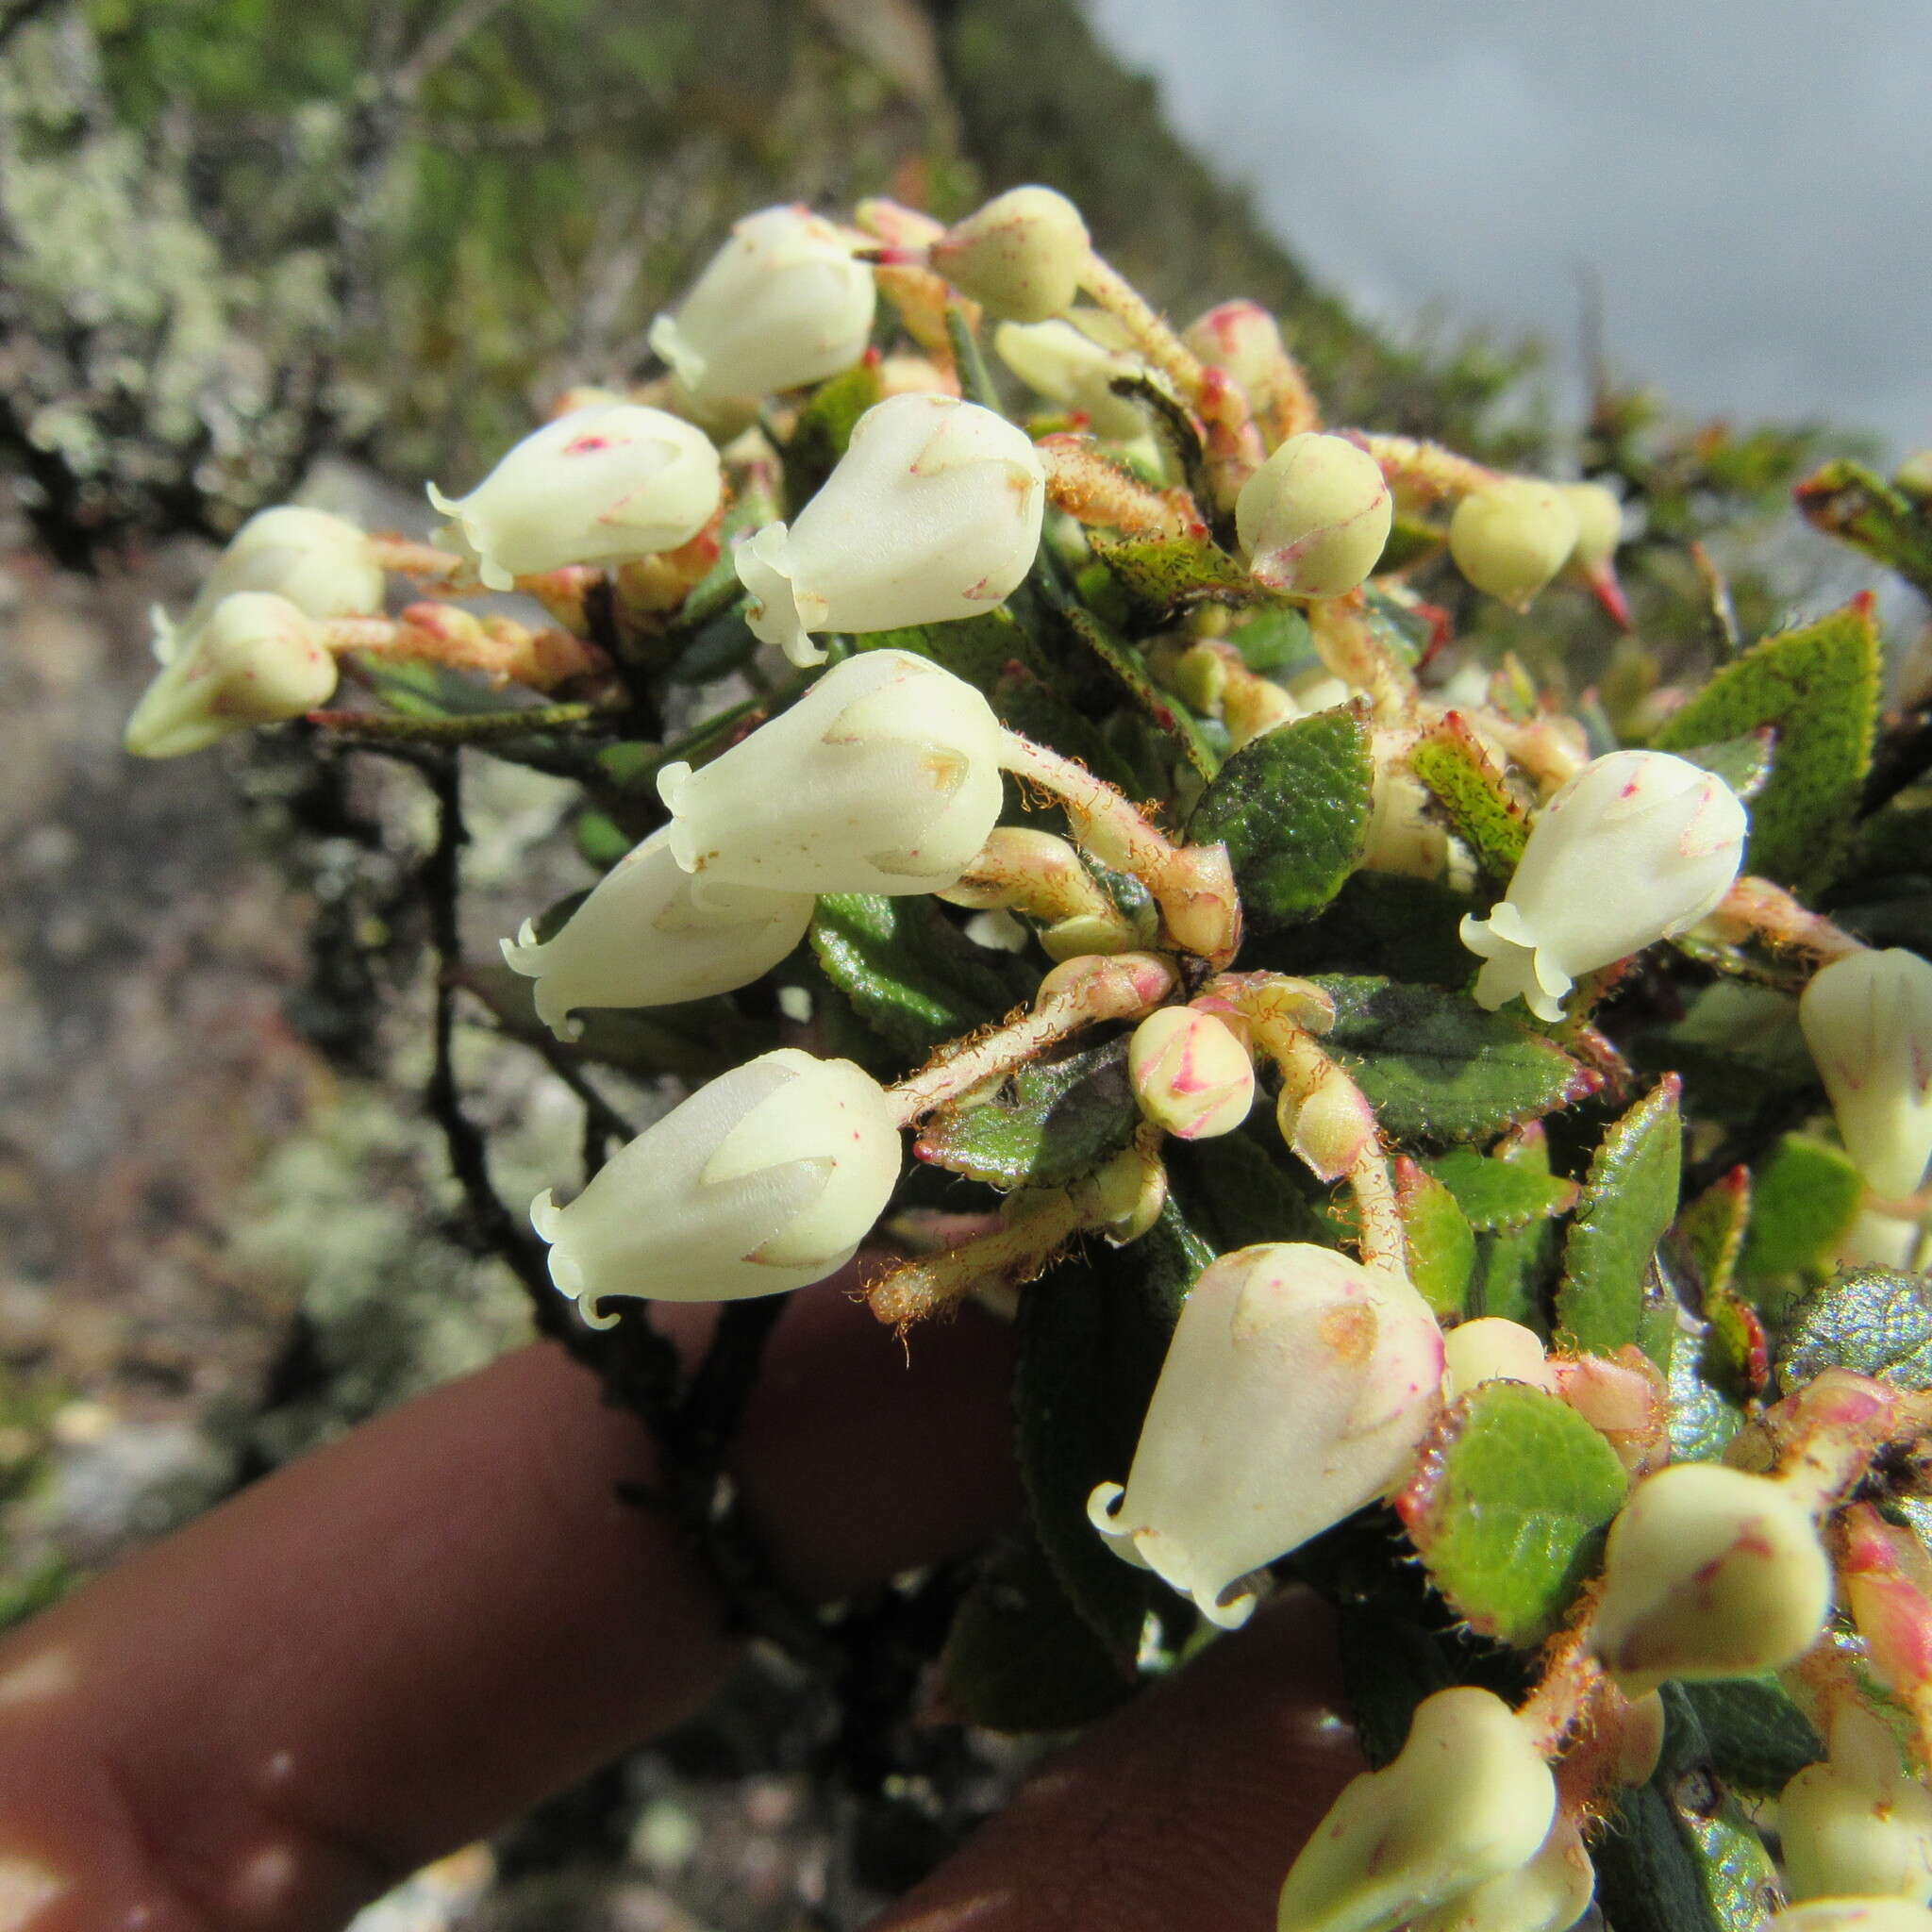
<point>1610,1297</point>
<point>1293,809</point>
<point>1470,788</point>
<point>1803,1198</point>
<point>1441,1243</point>
<point>1508,1509</point>
<point>1500,1195</point>
<point>1759,1739</point>
<point>1869,1319</point>
<point>1052,1121</point>
<point>1160,573</point>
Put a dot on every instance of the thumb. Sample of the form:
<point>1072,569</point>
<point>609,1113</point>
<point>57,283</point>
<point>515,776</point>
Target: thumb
<point>1184,1810</point>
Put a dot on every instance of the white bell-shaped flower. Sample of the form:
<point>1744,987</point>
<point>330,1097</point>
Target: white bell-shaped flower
<point>1066,364</point>
<point>597,484</point>
<point>651,934</point>
<point>1851,1915</point>
<point>766,1179</point>
<point>1637,846</point>
<point>1315,516</point>
<point>1859,1822</point>
<point>321,563</point>
<point>884,778</point>
<point>1468,1800</point>
<point>1295,1389</point>
<point>1548,1894</point>
<point>782,304</point>
<point>254,659</point>
<point>1867,1021</point>
<point>933,512</point>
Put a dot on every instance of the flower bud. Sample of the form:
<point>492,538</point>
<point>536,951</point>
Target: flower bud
<point>1469,1799</point>
<point>1857,1824</point>
<point>1709,1572</point>
<point>1244,339</point>
<point>650,934</point>
<point>1295,1389</point>
<point>1022,255</point>
<point>1548,1894</point>
<point>766,1179</point>
<point>1867,1021</point>
<point>1191,1073</point>
<point>254,659</point>
<point>1492,1349</point>
<point>933,512</point>
<point>1637,846</point>
<point>320,563</point>
<point>1314,517</point>
<point>1599,523</point>
<point>1851,1915</point>
<point>1066,365</point>
<point>782,304</point>
<point>1512,537</point>
<point>596,486</point>
<point>884,778</point>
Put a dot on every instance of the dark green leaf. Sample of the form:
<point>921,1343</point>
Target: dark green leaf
<point>1438,1068</point>
<point>1452,762</point>
<point>1389,1665</point>
<point>1820,688</point>
<point>1871,1321</point>
<point>1160,572</point>
<point>909,972</point>
<point>1019,1658</point>
<point>1608,1300</point>
<point>1890,525</point>
<point>1511,1276</point>
<point>1159,709</point>
<point>1703,1418</point>
<point>1293,809</point>
<point>1759,1739</point>
<point>1050,1124</point>
<point>1509,1507</point>
<point>1240,1189</point>
<point>1500,1195</point>
<point>1380,921</point>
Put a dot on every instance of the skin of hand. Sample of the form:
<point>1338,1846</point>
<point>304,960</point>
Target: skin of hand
<point>391,1646</point>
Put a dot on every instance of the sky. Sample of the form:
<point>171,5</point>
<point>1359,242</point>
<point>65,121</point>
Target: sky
<point>1751,180</point>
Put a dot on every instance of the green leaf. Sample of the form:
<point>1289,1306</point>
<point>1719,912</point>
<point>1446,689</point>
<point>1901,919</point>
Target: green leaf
<point>911,975</point>
<point>1511,1276</point>
<point>1159,573</point>
<point>1437,1067</point>
<point>1509,1506</point>
<point>1468,785</point>
<point>1442,1244</point>
<point>1712,1229</point>
<point>1089,1346</point>
<point>1819,687</point>
<point>1759,1739</point>
<point>1607,1299</point>
<point>1293,809</point>
<point>1803,1200</point>
<point>1703,1418</point>
<point>1890,525</point>
<point>1743,763</point>
<point>1019,1656</point>
<point>1240,1189</point>
<point>1275,640</point>
<point>1871,1321</point>
<point>1165,713</point>
<point>1500,1195</point>
<point>1050,1124</point>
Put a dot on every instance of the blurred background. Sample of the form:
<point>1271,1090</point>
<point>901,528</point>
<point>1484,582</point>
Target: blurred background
<point>246,250</point>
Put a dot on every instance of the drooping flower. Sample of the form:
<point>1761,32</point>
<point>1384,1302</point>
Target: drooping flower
<point>1315,516</point>
<point>781,305</point>
<point>1022,255</point>
<point>650,934</point>
<point>1858,1821</point>
<point>1637,846</point>
<point>932,513</point>
<point>597,484</point>
<point>766,1179</point>
<point>254,659</point>
<point>884,778</point>
<point>1295,1389</point>
<point>1468,1800</point>
<point>1548,1894</point>
<point>1867,1018</point>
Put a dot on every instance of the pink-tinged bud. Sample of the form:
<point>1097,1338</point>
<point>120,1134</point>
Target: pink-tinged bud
<point>1883,1571</point>
<point>1859,1824</point>
<point>1867,1018</point>
<point>1244,339</point>
<point>650,934</point>
<point>932,513</point>
<point>1709,1572</point>
<point>1512,537</point>
<point>1636,847</point>
<point>597,486</point>
<point>1191,1074</point>
<point>1851,1915</point>
<point>1315,516</point>
<point>1548,1894</point>
<point>766,1179</point>
<point>1625,1399</point>
<point>1022,255</point>
<point>781,305</point>
<point>884,778</point>
<point>1490,1349</point>
<point>254,659</point>
<point>1295,1389</point>
<point>1469,1800</point>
